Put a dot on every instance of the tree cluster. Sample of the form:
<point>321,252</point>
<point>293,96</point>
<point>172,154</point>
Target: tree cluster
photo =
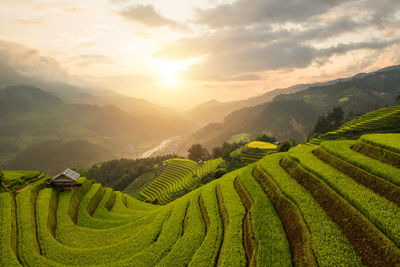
<point>197,152</point>
<point>329,122</point>
<point>226,149</point>
<point>265,138</point>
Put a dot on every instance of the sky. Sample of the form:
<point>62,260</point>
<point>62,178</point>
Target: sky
<point>180,53</point>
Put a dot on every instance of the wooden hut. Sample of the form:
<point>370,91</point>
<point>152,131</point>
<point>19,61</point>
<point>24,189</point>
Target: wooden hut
<point>65,181</point>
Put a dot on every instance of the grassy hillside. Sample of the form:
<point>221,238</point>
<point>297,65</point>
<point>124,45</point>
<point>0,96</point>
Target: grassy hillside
<point>326,205</point>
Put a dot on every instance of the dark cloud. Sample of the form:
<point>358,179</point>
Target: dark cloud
<point>326,30</point>
<point>274,56</point>
<point>344,48</point>
<point>277,55</point>
<point>261,35</point>
<point>89,60</point>
<point>235,38</point>
<point>147,15</point>
<point>248,12</point>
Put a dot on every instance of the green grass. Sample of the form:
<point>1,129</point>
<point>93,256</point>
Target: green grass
<point>232,251</point>
<point>380,211</point>
<point>386,141</point>
<point>28,248</point>
<point>272,245</point>
<point>13,175</point>
<point>7,212</point>
<point>330,246</point>
<point>89,237</point>
<point>207,253</point>
<point>193,235</point>
<point>342,149</point>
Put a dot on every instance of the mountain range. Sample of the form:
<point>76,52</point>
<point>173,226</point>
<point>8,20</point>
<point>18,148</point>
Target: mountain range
<point>292,115</point>
<point>30,116</point>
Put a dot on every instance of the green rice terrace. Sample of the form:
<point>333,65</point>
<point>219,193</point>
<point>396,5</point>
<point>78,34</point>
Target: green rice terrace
<point>254,151</point>
<point>381,120</point>
<point>177,175</point>
<point>335,203</point>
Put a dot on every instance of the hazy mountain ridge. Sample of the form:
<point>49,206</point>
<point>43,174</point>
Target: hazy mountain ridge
<point>73,94</point>
<point>215,111</point>
<point>293,115</point>
<point>30,116</point>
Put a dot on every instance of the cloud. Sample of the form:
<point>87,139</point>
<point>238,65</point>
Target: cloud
<point>276,55</point>
<point>30,61</point>
<point>249,36</point>
<point>248,12</point>
<point>234,38</point>
<point>147,15</point>
<point>245,77</point>
<point>344,48</point>
<point>89,60</point>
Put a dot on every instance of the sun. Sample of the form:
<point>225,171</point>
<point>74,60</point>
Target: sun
<point>169,73</point>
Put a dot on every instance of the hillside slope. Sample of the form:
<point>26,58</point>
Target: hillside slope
<point>293,116</point>
<point>326,205</point>
<point>215,111</point>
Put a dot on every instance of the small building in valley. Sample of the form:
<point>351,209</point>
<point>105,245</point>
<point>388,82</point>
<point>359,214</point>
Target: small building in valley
<point>65,181</point>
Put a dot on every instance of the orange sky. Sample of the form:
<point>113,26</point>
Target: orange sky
<point>180,53</point>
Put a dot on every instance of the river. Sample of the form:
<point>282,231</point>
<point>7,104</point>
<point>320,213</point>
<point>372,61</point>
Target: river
<point>163,144</point>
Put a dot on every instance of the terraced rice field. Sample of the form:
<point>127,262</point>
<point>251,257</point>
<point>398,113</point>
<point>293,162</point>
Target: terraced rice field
<point>254,151</point>
<point>378,121</point>
<point>178,175</point>
<point>331,204</point>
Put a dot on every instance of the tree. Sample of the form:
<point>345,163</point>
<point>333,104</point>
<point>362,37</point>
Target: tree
<point>322,125</point>
<point>216,152</point>
<point>351,115</point>
<point>329,122</point>
<point>266,138</point>
<point>226,154</point>
<point>198,152</point>
<point>286,145</point>
<point>335,117</point>
<point>398,98</point>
